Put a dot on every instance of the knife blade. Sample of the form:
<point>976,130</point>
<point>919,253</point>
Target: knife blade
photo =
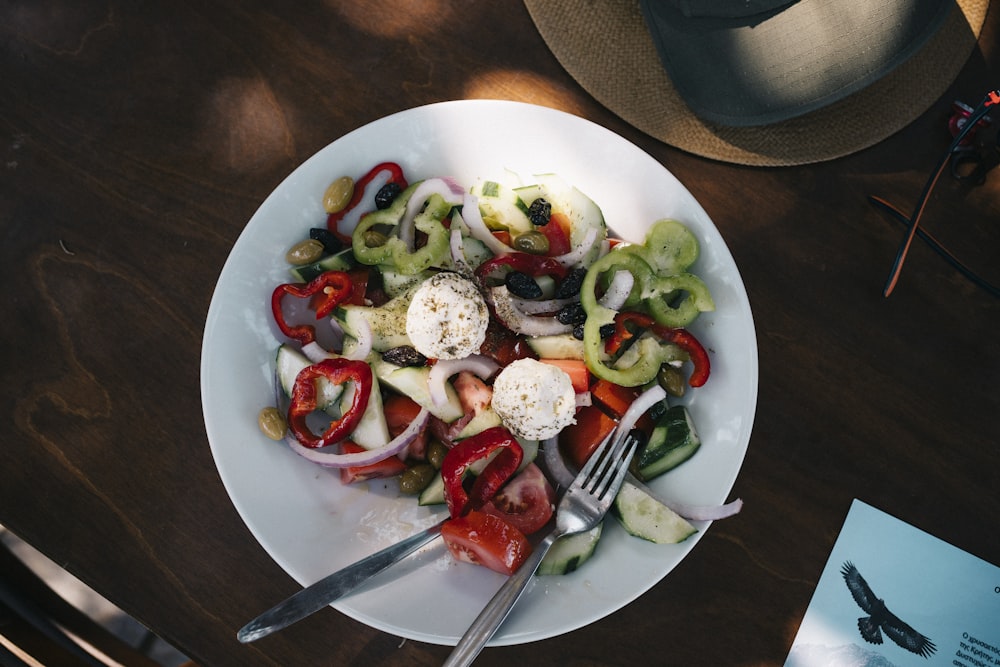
<point>332,587</point>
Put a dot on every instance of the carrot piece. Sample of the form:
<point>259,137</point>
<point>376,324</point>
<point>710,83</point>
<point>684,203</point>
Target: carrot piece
<point>577,371</point>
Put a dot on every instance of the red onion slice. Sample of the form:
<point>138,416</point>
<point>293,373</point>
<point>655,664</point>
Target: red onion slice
<point>447,188</point>
<point>332,460</point>
<point>477,364</point>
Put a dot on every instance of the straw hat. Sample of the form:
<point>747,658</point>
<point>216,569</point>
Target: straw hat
<point>763,82</point>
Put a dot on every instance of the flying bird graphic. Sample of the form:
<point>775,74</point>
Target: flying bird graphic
<point>881,617</point>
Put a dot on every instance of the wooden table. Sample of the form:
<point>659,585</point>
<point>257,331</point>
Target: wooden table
<point>137,141</point>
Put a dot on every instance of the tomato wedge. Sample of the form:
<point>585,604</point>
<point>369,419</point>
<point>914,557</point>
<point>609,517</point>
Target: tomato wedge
<point>389,467</point>
<point>578,441</point>
<point>557,232</point>
<point>400,411</point>
<point>525,502</point>
<point>487,540</point>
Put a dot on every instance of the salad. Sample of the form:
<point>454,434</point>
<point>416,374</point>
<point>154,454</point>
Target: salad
<point>476,342</point>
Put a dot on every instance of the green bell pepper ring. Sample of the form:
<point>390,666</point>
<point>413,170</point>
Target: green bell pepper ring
<point>650,359</point>
<point>393,250</point>
<point>434,251</point>
<point>365,250</point>
<point>672,247</point>
<point>682,338</point>
<point>663,289</point>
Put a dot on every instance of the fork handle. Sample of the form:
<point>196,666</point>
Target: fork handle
<point>494,613</point>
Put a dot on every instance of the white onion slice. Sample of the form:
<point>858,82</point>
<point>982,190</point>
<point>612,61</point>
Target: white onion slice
<point>574,256</point>
<point>706,512</point>
<point>555,464</point>
<point>515,320</point>
<point>315,353</point>
<point>530,307</point>
<point>447,188</point>
<point>477,364</point>
<point>618,291</point>
<point>332,460</point>
<point>640,405</point>
<point>693,512</point>
<point>363,334</point>
<point>477,227</point>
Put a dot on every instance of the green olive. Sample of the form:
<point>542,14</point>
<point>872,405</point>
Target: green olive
<point>338,194</point>
<point>671,379</point>
<point>272,423</point>
<point>436,451</point>
<point>416,478</point>
<point>375,239</point>
<point>304,252</point>
<point>533,242</point>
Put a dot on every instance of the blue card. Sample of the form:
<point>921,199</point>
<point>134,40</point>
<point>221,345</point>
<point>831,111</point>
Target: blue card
<point>893,595</point>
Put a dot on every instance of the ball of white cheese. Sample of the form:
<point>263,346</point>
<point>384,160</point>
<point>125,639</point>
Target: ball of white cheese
<point>535,400</point>
<point>447,317</point>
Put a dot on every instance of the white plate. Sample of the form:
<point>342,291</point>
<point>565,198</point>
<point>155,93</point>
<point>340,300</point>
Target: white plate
<point>311,525</point>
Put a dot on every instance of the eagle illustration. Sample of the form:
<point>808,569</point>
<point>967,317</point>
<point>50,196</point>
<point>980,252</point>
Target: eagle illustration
<point>881,617</point>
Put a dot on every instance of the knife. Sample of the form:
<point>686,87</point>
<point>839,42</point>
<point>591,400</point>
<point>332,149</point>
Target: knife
<point>332,587</point>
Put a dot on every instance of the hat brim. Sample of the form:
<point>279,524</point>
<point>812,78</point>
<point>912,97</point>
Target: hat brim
<point>608,49</point>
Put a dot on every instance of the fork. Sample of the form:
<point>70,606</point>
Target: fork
<point>582,507</point>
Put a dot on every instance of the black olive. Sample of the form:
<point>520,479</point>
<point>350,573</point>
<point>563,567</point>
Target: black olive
<point>386,195</point>
<point>331,243</point>
<point>404,355</point>
<point>522,285</point>
<point>605,331</point>
<point>570,285</point>
<point>572,313</point>
<point>539,212</point>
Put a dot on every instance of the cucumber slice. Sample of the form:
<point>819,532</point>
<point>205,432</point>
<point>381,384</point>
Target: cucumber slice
<point>646,517</point>
<point>433,493</point>
<point>570,552</point>
<point>673,441</point>
<point>501,207</point>
<point>340,261</point>
<point>395,283</point>
<point>387,322</point>
<point>412,381</point>
<point>372,431</point>
<point>288,362</point>
<point>487,418</point>
<point>557,346</point>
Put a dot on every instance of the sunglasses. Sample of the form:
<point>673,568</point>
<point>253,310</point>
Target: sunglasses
<point>968,165</point>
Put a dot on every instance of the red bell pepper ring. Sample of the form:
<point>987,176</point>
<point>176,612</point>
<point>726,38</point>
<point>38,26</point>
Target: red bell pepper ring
<point>395,176</point>
<point>496,473</point>
<point>682,338</point>
<point>331,288</point>
<point>532,265</point>
<point>337,371</point>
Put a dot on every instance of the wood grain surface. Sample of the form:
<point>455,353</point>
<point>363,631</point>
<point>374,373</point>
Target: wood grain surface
<point>137,139</point>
